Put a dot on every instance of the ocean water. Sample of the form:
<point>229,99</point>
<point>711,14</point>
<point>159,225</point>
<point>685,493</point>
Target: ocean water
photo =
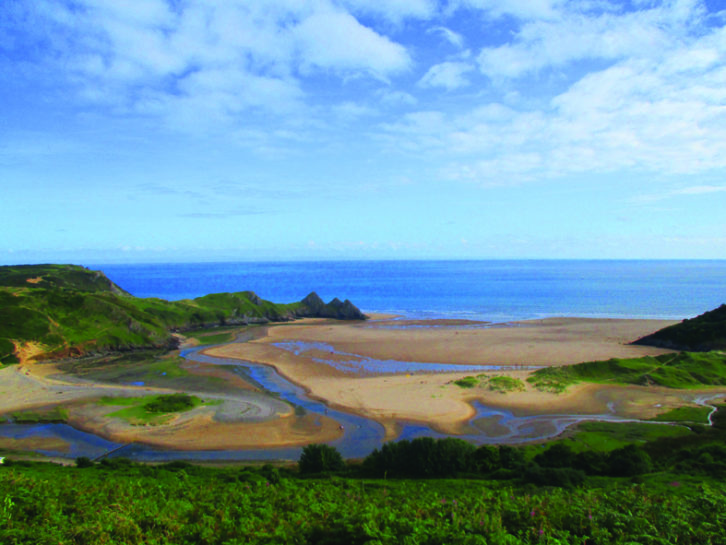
<point>491,290</point>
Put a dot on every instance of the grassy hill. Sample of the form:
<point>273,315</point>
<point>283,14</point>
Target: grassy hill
<point>68,310</point>
<point>683,370</point>
<point>702,333</point>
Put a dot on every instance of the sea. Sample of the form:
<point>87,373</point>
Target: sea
<point>486,290</point>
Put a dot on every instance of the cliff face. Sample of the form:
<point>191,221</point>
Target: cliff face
<point>70,310</point>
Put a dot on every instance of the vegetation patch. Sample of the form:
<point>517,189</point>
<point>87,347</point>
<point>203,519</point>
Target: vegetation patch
<point>211,336</point>
<point>56,414</point>
<point>504,384</point>
<point>7,353</point>
<point>682,370</point>
<point>697,415</point>
<point>154,410</point>
<point>122,502</point>
<point>467,382</point>
<point>607,436</point>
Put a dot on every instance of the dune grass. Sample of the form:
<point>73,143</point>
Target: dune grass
<point>679,371</point>
<point>467,382</point>
<point>504,384</point>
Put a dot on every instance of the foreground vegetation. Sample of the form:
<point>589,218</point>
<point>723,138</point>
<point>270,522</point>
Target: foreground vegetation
<point>174,503</point>
<point>665,490</point>
<point>67,310</point>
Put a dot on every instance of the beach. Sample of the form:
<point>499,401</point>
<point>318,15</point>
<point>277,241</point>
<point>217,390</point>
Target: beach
<point>434,398</point>
<point>393,371</point>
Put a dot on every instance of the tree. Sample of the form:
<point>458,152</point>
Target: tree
<point>318,458</point>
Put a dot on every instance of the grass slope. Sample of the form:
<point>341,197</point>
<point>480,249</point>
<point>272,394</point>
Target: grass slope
<point>68,310</point>
<point>683,370</point>
<point>702,333</point>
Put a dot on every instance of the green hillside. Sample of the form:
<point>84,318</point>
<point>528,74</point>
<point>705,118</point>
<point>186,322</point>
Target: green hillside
<point>683,370</point>
<point>702,333</point>
<point>69,310</point>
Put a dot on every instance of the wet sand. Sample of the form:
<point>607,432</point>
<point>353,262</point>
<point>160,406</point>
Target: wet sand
<point>261,422</point>
<point>198,430</point>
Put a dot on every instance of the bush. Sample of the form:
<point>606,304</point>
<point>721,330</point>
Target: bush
<point>558,455</point>
<point>564,477</point>
<point>486,459</point>
<point>422,457</point>
<point>629,461</point>
<point>171,403</point>
<point>318,458</point>
<point>83,461</point>
<point>510,457</point>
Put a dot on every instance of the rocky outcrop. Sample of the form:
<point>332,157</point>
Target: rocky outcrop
<point>314,307</point>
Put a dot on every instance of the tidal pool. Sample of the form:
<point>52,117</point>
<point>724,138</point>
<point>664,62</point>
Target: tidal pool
<point>365,366</point>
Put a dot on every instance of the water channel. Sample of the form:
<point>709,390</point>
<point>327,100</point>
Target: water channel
<point>361,435</point>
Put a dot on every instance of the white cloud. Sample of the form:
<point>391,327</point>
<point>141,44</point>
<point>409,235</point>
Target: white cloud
<point>336,40</point>
<point>545,42</point>
<point>454,38</point>
<point>215,58</point>
<point>394,10</point>
<point>449,75</point>
<point>396,98</point>
<point>664,116</point>
<point>523,9</point>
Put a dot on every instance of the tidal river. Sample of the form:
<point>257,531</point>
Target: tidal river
<point>361,435</point>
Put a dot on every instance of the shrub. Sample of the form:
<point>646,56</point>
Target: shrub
<point>510,457</point>
<point>318,458</point>
<point>558,455</point>
<point>564,477</point>
<point>83,461</point>
<point>422,457</point>
<point>629,461</point>
<point>466,382</point>
<point>170,403</point>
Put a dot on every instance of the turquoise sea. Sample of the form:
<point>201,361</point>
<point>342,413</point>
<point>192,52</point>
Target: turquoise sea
<point>493,290</point>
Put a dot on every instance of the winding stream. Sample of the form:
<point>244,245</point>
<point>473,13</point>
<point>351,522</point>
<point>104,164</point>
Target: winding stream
<point>361,435</point>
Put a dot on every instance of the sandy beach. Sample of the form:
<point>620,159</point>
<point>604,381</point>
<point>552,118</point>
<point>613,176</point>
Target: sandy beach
<point>433,398</point>
<point>246,418</point>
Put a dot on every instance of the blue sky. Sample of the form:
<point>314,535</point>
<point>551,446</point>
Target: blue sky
<point>189,130</point>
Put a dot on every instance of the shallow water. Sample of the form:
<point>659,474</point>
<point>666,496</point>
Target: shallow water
<point>363,365</point>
